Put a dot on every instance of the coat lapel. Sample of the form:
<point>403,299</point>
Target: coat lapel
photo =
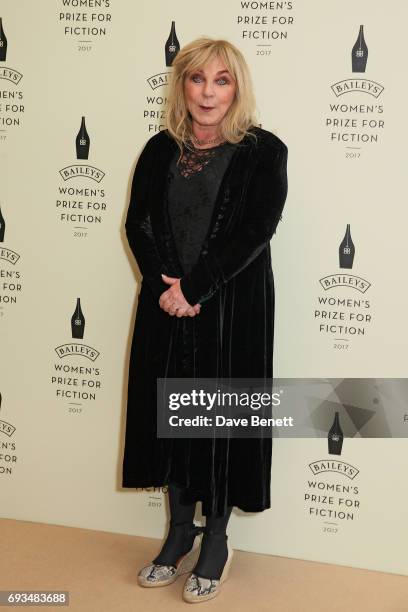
<point>228,203</point>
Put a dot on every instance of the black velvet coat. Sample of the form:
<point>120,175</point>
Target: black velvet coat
<point>232,336</point>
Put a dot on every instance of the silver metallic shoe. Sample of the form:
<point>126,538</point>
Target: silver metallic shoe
<point>156,575</point>
<point>198,589</point>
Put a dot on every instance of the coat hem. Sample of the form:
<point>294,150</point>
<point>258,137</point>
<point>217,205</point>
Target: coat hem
<point>246,507</point>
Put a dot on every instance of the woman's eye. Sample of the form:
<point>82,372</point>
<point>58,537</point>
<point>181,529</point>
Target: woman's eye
<point>197,79</point>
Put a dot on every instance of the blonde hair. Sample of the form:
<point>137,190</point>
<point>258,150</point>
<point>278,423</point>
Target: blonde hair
<point>240,115</point>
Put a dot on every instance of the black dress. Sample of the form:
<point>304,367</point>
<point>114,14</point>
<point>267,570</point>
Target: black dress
<point>192,188</point>
<point>191,192</point>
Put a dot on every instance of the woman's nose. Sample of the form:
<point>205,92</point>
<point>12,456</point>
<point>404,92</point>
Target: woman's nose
<point>208,89</point>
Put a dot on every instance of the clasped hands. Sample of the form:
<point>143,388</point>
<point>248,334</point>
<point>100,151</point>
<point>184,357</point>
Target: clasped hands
<point>173,301</point>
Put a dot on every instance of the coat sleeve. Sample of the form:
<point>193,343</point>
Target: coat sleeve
<point>266,197</point>
<point>138,224</point>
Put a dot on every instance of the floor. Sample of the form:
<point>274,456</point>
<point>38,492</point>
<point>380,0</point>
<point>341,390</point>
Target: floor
<point>99,570</point>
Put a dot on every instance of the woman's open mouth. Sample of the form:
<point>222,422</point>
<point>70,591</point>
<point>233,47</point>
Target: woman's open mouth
<point>206,108</point>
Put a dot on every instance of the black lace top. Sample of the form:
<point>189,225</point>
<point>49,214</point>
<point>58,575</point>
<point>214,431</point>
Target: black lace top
<point>193,186</point>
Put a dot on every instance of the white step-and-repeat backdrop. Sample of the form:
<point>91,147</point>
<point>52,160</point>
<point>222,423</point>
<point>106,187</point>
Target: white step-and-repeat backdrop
<point>82,87</point>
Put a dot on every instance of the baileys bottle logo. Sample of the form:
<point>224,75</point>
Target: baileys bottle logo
<point>3,42</point>
<point>82,141</point>
<point>359,53</point>
<point>82,146</point>
<point>77,332</point>
<point>172,46</point>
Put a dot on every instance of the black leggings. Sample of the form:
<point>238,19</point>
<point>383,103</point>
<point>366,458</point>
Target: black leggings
<point>180,513</point>
<point>180,538</point>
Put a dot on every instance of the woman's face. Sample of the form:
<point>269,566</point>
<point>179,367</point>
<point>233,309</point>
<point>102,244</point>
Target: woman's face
<point>209,92</point>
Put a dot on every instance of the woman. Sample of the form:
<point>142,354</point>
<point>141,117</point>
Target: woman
<point>207,195</point>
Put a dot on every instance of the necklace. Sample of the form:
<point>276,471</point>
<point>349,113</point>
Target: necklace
<point>202,142</point>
